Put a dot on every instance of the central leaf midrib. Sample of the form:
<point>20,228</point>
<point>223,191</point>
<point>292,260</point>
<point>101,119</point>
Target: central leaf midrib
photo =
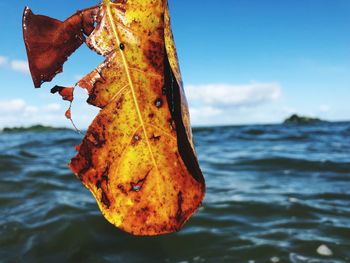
<point>131,86</point>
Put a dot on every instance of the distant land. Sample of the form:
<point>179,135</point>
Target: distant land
<point>297,119</point>
<point>293,119</point>
<point>35,128</point>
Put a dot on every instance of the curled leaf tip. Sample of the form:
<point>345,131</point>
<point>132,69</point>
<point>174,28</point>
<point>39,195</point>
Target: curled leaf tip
<point>65,92</point>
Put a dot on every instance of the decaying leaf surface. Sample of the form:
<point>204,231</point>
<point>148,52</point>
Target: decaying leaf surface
<point>49,41</point>
<point>137,157</point>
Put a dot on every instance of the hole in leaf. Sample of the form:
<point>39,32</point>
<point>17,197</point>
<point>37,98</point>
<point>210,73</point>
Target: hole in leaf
<point>136,188</point>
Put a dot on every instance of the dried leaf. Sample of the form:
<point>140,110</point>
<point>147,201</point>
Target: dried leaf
<point>137,157</point>
<point>49,41</point>
<point>65,92</point>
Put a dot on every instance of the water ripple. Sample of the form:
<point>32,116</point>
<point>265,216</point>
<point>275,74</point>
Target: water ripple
<point>274,194</point>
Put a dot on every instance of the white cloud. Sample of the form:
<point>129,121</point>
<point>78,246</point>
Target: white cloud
<point>3,60</point>
<point>16,64</point>
<point>53,107</point>
<point>209,105</point>
<point>18,112</point>
<point>20,66</point>
<point>325,108</point>
<point>206,111</point>
<point>215,104</point>
<point>29,110</point>
<point>225,95</point>
<point>15,105</point>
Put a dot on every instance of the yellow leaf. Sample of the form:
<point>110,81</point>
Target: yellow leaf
<point>137,157</point>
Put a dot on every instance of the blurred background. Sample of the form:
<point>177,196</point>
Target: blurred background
<point>275,192</point>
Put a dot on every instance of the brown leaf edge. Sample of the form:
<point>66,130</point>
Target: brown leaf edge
<point>49,42</point>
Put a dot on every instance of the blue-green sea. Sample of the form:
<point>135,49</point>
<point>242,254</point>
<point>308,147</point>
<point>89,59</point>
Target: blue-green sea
<point>275,193</point>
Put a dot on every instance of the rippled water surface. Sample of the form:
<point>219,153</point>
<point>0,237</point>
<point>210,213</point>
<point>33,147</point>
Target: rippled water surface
<point>274,194</point>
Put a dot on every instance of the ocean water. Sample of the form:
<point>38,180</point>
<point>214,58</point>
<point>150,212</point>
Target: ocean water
<point>275,193</point>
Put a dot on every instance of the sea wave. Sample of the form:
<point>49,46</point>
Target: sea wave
<point>274,194</point>
<point>296,164</point>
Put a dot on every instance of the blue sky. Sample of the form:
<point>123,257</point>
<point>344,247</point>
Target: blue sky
<point>243,61</point>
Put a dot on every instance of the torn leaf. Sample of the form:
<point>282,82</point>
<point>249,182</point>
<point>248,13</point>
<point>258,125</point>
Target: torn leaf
<point>137,157</point>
